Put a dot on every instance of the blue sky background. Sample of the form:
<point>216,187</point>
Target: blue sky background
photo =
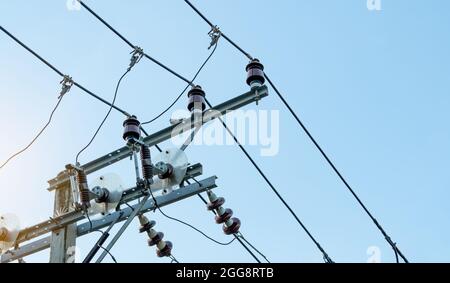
<point>372,86</point>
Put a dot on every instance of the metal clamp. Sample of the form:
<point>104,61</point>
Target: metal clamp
<point>136,56</point>
<point>67,84</point>
<point>215,34</point>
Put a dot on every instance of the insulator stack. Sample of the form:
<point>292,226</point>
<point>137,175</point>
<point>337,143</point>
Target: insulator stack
<point>231,224</point>
<point>146,162</point>
<point>83,189</point>
<point>132,129</point>
<point>255,73</point>
<point>164,248</point>
<point>196,99</point>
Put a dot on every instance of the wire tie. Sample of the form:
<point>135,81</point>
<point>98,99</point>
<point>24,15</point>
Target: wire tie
<point>67,84</point>
<point>136,56</point>
<point>215,34</point>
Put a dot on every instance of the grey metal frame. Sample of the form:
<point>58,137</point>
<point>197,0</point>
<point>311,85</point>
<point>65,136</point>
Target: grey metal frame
<point>83,229</point>
<point>252,96</point>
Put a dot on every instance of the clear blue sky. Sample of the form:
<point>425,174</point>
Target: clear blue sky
<point>372,86</point>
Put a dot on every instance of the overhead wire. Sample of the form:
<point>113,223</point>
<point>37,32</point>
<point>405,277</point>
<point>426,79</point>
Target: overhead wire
<point>75,83</point>
<point>101,232</point>
<point>272,187</point>
<point>123,38</point>
<point>104,119</point>
<point>184,90</point>
<point>36,137</point>
<point>387,237</point>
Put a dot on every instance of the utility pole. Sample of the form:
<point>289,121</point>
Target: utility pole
<point>63,240</point>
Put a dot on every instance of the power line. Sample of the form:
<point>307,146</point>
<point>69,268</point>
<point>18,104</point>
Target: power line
<point>184,90</point>
<point>123,38</point>
<point>37,136</point>
<point>386,236</point>
<point>325,255</point>
<point>341,177</point>
<point>104,119</point>
<point>59,72</point>
<point>103,238</point>
<point>253,247</point>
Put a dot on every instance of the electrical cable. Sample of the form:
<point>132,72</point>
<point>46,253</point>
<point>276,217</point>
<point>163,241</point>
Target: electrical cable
<point>184,90</point>
<point>387,237</point>
<point>338,173</point>
<point>37,136</point>
<point>104,119</point>
<point>325,255</point>
<point>173,259</point>
<point>60,73</point>
<point>103,234</point>
<point>109,253</point>
<point>123,38</point>
<point>252,246</point>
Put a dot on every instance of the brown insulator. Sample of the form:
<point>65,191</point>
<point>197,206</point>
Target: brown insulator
<point>216,204</point>
<point>156,239</point>
<point>83,188</point>
<point>166,251</point>
<point>196,99</point>
<point>255,72</point>
<point>132,129</point>
<point>147,226</point>
<point>220,219</point>
<point>233,228</point>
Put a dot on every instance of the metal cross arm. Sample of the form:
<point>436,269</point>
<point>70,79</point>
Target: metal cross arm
<point>75,216</point>
<point>83,229</point>
<point>254,95</point>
